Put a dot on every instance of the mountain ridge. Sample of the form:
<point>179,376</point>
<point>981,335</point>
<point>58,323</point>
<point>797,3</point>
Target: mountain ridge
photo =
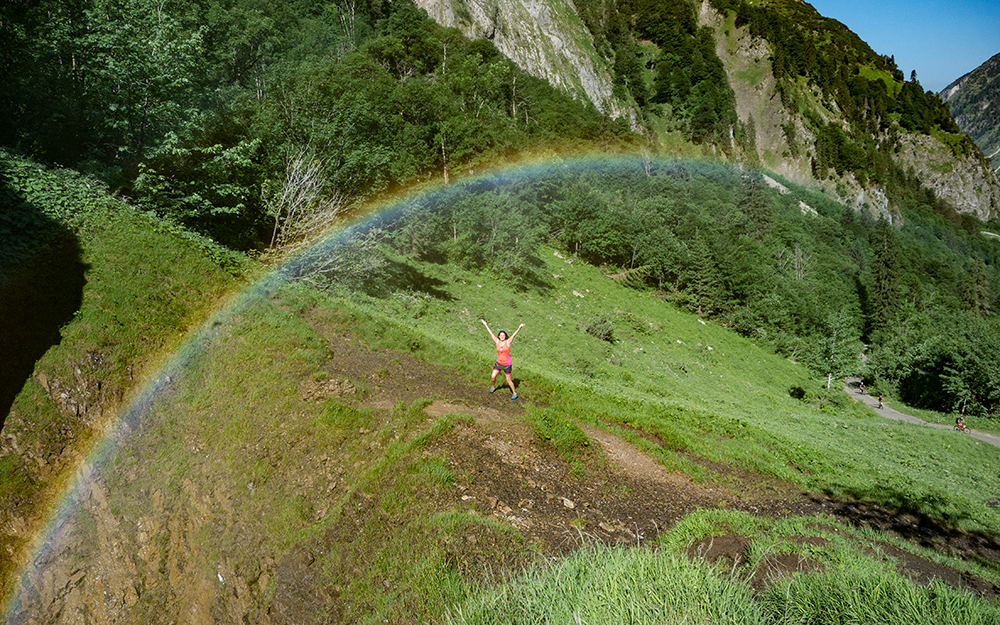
<point>975,103</point>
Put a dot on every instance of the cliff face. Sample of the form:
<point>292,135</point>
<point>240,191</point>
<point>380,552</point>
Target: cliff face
<point>975,103</point>
<point>969,185</point>
<point>758,103</point>
<point>546,38</point>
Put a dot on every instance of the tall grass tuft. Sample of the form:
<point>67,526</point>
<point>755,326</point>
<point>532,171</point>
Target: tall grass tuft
<point>869,595</point>
<point>647,586</point>
<point>603,585</point>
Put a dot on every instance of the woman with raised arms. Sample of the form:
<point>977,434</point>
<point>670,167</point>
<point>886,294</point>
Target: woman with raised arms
<point>503,362</point>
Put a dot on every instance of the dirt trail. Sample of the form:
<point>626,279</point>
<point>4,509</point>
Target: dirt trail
<point>851,388</point>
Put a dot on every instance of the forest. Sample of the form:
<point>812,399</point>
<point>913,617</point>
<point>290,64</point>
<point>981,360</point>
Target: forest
<point>201,112</point>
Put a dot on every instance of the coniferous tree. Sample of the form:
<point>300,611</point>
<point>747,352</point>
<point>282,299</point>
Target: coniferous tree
<point>885,278</point>
<point>754,200</point>
<point>705,279</point>
<point>976,295</point>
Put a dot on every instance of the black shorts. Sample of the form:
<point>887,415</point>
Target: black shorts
<point>498,367</point>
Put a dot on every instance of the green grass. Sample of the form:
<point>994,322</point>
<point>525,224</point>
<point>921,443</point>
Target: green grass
<point>848,581</point>
<point>282,475</point>
<point>873,74</point>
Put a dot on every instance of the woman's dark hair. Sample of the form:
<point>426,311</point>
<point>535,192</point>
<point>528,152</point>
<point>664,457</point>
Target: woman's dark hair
<point>504,333</point>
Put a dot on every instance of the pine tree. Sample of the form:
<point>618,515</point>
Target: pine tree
<point>705,280</point>
<point>976,295</point>
<point>754,199</point>
<point>885,269</point>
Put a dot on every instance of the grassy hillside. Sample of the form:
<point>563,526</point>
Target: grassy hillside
<point>302,465</point>
<point>94,294</point>
<point>697,388</point>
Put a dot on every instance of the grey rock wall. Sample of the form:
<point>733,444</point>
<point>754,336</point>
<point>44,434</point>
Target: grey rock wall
<point>546,38</point>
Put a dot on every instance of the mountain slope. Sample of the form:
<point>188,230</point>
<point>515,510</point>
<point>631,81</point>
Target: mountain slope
<point>975,102</point>
<point>794,121</point>
<point>800,93</point>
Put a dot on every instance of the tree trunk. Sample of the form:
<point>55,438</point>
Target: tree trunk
<point>444,161</point>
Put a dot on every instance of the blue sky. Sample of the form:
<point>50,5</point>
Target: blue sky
<point>941,40</point>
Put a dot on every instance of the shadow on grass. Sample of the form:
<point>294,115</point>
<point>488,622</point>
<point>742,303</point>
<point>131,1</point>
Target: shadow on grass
<point>41,288</point>
<point>912,522</point>
<point>403,277</point>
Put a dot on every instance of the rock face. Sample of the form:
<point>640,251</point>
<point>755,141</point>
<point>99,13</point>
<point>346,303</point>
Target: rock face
<point>975,104</point>
<point>546,38</point>
<point>961,180</point>
<point>747,60</point>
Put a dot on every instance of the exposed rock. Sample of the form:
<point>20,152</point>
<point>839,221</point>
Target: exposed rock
<point>747,61</point>
<point>961,180</point>
<point>547,39</point>
<point>318,390</point>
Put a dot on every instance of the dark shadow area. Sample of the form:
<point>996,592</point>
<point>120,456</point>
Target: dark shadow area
<point>402,277</point>
<point>797,392</point>
<point>915,526</point>
<point>534,277</point>
<point>41,287</point>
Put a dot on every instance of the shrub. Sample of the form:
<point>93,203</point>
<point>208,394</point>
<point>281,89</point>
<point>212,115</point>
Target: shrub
<point>599,326</point>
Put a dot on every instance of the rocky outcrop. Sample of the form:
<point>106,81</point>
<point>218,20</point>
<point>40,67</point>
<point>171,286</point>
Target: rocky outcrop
<point>780,137</point>
<point>546,38</point>
<point>963,181</point>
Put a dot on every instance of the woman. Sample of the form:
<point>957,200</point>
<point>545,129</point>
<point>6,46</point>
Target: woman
<point>503,362</point>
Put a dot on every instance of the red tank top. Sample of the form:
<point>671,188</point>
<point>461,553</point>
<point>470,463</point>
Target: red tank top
<point>503,353</point>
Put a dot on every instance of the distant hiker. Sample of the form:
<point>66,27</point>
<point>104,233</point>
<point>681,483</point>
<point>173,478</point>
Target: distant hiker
<point>879,401</point>
<point>861,388</point>
<point>503,362</point>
